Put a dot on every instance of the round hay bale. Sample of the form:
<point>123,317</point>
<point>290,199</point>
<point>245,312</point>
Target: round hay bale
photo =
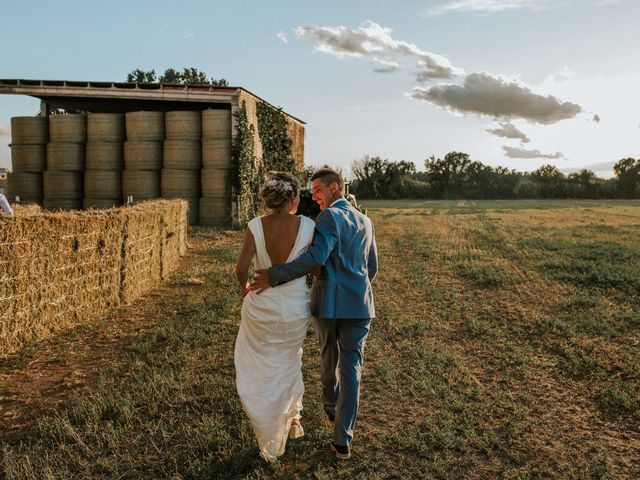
<point>216,153</point>
<point>183,125</point>
<point>215,182</point>
<point>183,154</point>
<point>145,126</point>
<point>103,184</point>
<point>215,211</point>
<point>139,155</point>
<point>67,157</point>
<point>62,203</point>
<point>63,185</point>
<point>29,157</point>
<point>68,128</point>
<point>141,184</point>
<point>216,124</point>
<point>101,202</point>
<point>104,155</point>
<point>29,130</point>
<point>179,183</point>
<point>105,127</point>
<point>26,185</point>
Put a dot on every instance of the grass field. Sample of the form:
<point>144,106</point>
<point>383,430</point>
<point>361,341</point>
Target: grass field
<point>507,345</point>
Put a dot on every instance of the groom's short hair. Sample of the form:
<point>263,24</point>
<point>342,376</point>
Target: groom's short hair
<point>329,176</point>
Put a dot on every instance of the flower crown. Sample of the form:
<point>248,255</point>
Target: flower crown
<point>279,185</point>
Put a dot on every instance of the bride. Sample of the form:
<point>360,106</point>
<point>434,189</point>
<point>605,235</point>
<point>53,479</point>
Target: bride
<point>268,351</point>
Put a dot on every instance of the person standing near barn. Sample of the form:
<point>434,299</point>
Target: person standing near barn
<point>344,248</point>
<point>7,211</point>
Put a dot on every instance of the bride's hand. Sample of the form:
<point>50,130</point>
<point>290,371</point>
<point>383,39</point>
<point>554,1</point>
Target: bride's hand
<point>245,290</point>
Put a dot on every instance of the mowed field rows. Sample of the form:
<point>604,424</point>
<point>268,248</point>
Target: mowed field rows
<point>507,345</point>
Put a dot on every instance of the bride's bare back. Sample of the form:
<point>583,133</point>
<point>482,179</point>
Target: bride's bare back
<point>280,233</point>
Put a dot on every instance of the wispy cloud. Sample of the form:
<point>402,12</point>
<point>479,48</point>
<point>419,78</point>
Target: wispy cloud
<point>514,152</point>
<point>484,94</point>
<point>282,36</point>
<point>189,35</point>
<point>371,40</point>
<point>508,130</point>
<point>4,130</point>
<point>386,66</point>
<point>488,7</point>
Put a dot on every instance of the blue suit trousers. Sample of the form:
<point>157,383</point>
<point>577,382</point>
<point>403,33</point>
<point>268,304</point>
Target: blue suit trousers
<point>342,342</point>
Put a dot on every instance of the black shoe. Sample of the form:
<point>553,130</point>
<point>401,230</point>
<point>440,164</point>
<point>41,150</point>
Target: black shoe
<point>343,452</point>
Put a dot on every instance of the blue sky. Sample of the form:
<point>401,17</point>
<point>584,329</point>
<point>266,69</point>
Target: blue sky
<point>517,83</point>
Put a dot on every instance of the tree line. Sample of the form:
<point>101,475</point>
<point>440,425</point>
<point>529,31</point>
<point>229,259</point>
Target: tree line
<point>456,176</point>
<point>188,76</point>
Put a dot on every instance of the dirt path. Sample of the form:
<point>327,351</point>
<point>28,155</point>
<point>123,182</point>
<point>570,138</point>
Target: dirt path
<point>44,376</point>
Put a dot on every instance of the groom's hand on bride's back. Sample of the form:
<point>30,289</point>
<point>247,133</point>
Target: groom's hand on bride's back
<point>260,281</point>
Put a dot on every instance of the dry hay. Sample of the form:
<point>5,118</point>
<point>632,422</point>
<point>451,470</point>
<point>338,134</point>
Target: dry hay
<point>61,269</point>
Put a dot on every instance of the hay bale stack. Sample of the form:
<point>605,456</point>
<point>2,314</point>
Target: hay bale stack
<point>65,268</point>
<point>63,180</point>
<point>104,160</point>
<point>182,159</point>
<point>143,155</point>
<point>29,136</point>
<point>215,204</point>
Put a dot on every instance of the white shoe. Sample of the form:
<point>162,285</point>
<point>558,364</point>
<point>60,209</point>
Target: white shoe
<point>296,430</point>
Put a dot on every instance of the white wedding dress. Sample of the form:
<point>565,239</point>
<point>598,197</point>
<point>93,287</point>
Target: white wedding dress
<point>268,352</point>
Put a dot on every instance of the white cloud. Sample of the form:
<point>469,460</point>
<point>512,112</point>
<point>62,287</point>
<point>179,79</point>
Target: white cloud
<point>512,152</point>
<point>386,66</point>
<point>282,36</point>
<point>487,6</point>
<point>188,34</point>
<point>508,130</point>
<point>484,94</point>
<point>4,130</point>
<point>373,41</point>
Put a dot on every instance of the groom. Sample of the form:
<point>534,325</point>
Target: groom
<point>341,300</point>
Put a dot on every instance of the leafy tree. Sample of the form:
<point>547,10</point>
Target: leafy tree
<point>188,76</point>
<point>141,76</point>
<point>171,76</point>
<point>378,178</point>
<point>448,177</point>
<point>582,184</point>
<point>193,76</point>
<point>551,180</point>
<point>627,172</point>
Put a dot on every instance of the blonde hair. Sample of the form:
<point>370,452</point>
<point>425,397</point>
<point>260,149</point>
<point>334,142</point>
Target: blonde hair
<point>278,189</point>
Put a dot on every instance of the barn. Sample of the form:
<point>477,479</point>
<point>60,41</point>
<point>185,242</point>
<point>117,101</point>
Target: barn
<point>103,144</point>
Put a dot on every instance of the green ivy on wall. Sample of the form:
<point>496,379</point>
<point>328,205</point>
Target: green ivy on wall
<point>245,173</point>
<point>277,146</point>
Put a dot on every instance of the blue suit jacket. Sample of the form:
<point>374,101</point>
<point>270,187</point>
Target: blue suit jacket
<point>344,246</point>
